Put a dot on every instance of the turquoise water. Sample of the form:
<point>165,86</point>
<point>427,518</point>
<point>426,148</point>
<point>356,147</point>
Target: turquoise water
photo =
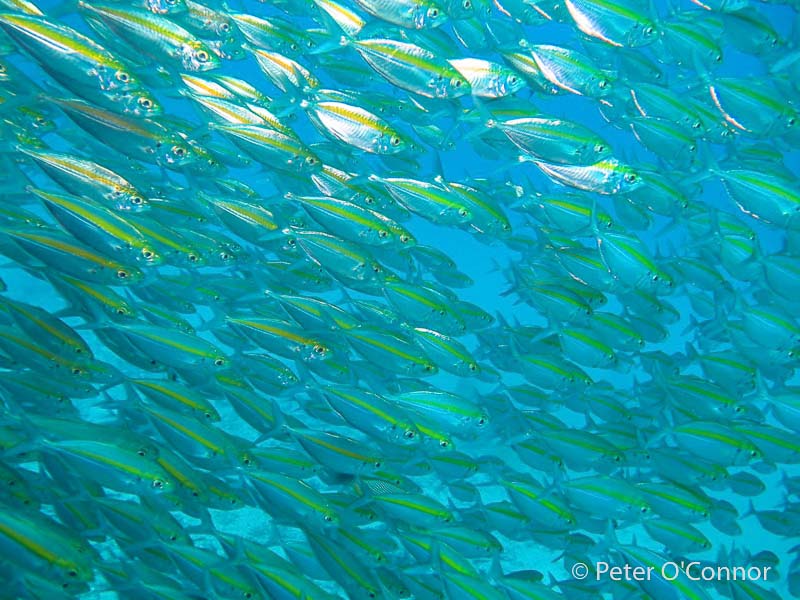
<point>295,307</point>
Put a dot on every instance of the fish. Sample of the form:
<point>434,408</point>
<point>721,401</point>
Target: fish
<point>161,36</point>
<point>555,140</point>
<point>86,178</point>
<point>81,65</point>
<point>74,258</point>
<point>355,126</point>
<point>412,68</point>
<point>398,299</point>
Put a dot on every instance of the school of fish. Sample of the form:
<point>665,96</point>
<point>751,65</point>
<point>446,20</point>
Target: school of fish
<point>249,348</point>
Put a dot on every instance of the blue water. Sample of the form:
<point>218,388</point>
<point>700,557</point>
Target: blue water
<point>484,258</point>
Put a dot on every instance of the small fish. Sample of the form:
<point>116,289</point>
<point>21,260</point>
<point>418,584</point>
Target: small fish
<point>40,544</point>
<point>160,36</point>
<point>81,65</point>
<point>354,126</point>
<point>171,347</point>
<point>293,500</point>
<point>413,14</point>
<point>53,248</point>
<point>86,178</point>
<point>607,176</point>
<point>487,79</point>
<point>620,24</point>
<point>100,228</point>
<point>412,68</point>
<point>271,147</point>
<point>555,140</point>
<point>390,351</point>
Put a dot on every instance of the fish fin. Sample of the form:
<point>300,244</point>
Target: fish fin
<point>751,510</point>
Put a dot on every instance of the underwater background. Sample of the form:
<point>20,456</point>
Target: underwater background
<point>399,299</point>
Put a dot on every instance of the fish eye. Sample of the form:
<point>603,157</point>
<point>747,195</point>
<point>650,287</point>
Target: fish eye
<point>310,160</point>
<point>137,200</point>
<point>630,177</point>
<point>122,274</point>
<point>145,103</point>
<point>383,234</point>
<point>644,510</point>
<point>409,435</point>
<point>376,268</point>
<point>147,254</point>
<point>463,212</point>
<point>219,362</point>
<point>472,367</point>
<point>319,349</point>
<point>123,77</point>
<point>433,13</point>
<point>457,83</point>
<point>179,151</point>
<point>649,30</point>
<point>482,421</point>
<point>467,4</point>
<point>122,311</point>
<point>443,443</point>
<point>512,79</point>
<point>328,518</point>
<point>192,258</point>
<point>224,27</point>
<point>202,56</point>
<point>395,141</point>
<point>718,58</point>
<point>207,415</point>
<point>378,465</point>
<point>158,484</point>
<point>72,573</point>
<point>77,370</point>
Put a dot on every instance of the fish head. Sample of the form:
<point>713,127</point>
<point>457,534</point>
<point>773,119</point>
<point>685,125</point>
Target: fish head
<point>390,143</point>
<point>198,57</point>
<point>142,104</point>
<point>427,15</point>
